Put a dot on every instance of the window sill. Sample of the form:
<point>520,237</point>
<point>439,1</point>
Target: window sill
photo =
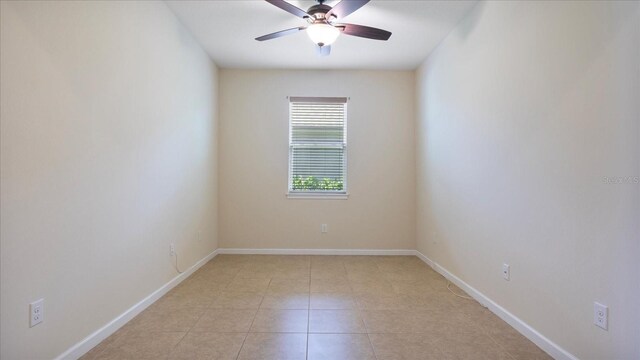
<point>319,196</point>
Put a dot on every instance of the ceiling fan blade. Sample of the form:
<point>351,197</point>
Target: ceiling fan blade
<point>345,7</point>
<point>364,31</point>
<point>288,8</point>
<point>280,33</point>
<point>324,50</point>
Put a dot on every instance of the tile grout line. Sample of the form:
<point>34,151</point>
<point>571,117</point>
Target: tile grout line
<point>178,343</point>
<point>499,344</point>
<point>359,311</point>
<point>245,335</point>
<point>252,320</point>
<point>367,328</point>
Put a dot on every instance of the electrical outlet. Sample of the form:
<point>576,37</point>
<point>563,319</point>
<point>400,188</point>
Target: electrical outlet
<point>506,271</point>
<point>172,249</point>
<point>36,312</point>
<point>324,228</point>
<point>600,315</point>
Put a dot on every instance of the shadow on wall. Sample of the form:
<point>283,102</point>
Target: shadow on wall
<point>469,22</point>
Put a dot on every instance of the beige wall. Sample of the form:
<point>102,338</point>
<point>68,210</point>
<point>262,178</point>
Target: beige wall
<point>108,154</point>
<point>523,110</point>
<point>255,213</point>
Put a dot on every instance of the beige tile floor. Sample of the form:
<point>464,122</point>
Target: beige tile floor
<point>315,307</point>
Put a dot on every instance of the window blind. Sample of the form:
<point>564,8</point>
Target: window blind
<point>317,144</point>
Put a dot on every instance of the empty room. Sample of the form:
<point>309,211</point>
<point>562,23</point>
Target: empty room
<point>307,180</point>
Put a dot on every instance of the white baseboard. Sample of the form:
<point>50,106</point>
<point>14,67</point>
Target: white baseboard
<point>551,348</point>
<point>316,251</point>
<point>88,343</point>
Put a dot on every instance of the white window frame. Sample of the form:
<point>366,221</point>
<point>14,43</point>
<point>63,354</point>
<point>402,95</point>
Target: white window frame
<point>320,194</point>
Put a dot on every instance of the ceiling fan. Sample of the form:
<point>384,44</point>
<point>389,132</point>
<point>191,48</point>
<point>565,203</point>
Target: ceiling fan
<point>321,29</point>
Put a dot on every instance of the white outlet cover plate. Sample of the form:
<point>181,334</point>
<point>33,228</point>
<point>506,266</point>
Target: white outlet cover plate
<point>600,315</point>
<point>506,271</point>
<point>36,312</point>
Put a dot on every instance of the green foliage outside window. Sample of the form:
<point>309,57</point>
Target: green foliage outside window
<point>313,183</point>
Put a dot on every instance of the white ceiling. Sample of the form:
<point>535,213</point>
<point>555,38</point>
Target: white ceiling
<point>227,29</point>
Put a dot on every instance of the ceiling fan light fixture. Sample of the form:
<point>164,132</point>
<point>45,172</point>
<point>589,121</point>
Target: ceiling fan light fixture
<point>323,34</point>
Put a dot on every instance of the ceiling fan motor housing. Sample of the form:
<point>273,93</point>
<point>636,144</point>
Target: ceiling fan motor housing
<point>317,12</point>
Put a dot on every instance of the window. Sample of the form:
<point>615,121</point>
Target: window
<point>317,147</point>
